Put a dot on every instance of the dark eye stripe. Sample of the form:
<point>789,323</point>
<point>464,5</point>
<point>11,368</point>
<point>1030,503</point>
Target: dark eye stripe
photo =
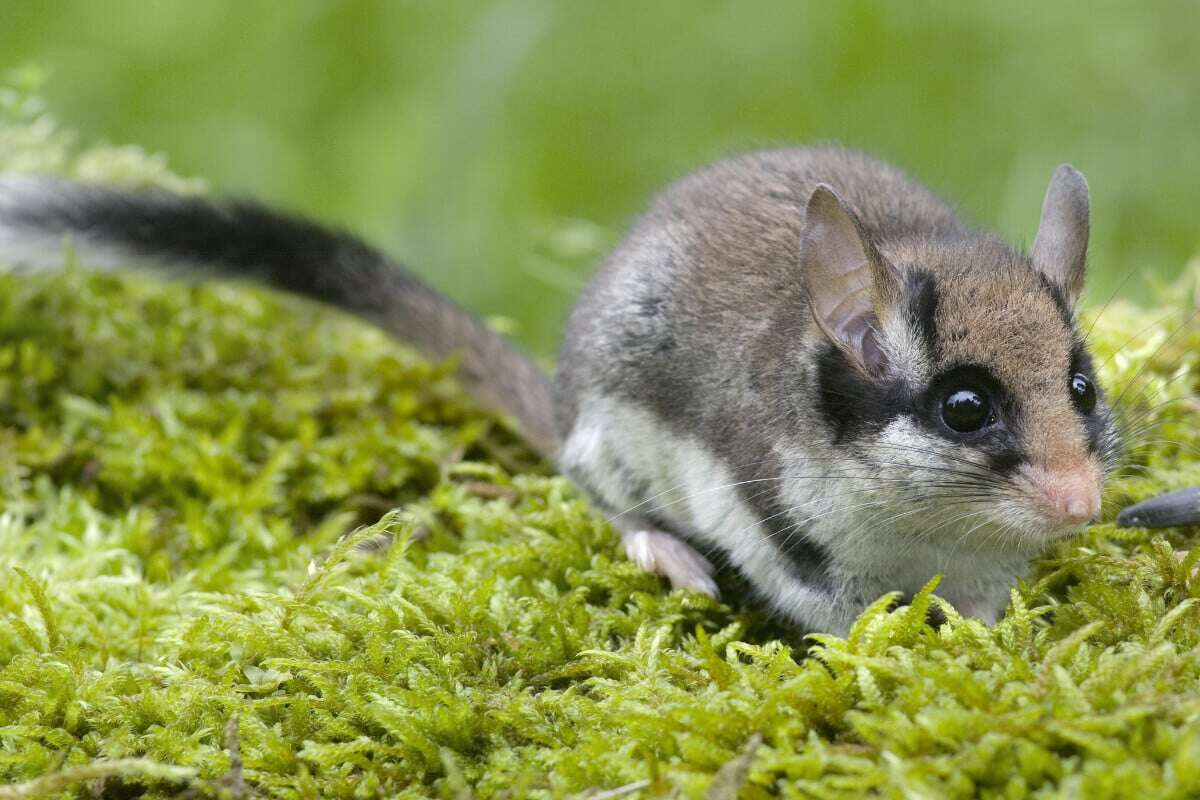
<point>1081,362</point>
<point>1005,460</point>
<point>1083,393</point>
<point>1060,299</point>
<point>1101,437</point>
<point>851,404</point>
<point>923,299</point>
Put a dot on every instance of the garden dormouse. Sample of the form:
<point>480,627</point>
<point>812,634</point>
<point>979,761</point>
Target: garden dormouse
<point>800,365</point>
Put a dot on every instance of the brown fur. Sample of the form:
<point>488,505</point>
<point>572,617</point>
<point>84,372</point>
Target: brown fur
<point>993,309</point>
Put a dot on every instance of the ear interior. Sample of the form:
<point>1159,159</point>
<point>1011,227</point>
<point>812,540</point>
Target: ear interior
<point>1060,249</point>
<point>847,281</point>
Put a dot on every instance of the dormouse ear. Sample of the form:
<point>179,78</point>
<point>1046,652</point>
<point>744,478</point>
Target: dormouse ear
<point>849,285</point>
<point>1060,249</point>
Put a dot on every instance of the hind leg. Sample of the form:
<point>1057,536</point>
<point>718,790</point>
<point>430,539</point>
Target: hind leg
<point>665,554</point>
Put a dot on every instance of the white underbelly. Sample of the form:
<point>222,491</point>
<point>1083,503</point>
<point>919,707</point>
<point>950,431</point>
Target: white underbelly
<point>638,467</point>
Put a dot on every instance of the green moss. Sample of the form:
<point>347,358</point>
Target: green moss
<point>178,466</point>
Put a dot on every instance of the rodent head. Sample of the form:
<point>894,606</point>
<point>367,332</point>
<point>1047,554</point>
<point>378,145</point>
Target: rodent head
<point>955,371</point>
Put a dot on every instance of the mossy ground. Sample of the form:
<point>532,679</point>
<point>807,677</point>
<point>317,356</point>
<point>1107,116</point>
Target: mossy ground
<point>181,615</point>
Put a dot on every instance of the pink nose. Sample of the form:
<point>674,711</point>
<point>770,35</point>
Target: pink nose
<point>1069,497</point>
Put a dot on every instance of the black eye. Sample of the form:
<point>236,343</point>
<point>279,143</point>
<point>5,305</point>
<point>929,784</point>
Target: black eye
<point>965,410</point>
<point>1083,393</point>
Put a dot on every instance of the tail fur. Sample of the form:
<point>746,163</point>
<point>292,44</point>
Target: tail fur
<point>112,228</point>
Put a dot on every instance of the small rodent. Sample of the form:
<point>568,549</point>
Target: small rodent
<point>800,364</point>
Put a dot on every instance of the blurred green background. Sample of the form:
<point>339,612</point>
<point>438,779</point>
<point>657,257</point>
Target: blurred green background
<point>500,148</point>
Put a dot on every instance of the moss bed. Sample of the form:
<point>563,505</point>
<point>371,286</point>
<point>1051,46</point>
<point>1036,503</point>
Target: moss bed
<point>183,615</point>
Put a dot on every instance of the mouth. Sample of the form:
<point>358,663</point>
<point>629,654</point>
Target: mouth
<point>1046,527</point>
<point>1028,530</point>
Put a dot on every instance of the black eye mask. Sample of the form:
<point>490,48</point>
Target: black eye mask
<point>967,404</point>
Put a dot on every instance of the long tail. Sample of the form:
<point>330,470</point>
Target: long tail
<point>110,228</point>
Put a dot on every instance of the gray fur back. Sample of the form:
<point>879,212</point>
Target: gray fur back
<point>707,280</point>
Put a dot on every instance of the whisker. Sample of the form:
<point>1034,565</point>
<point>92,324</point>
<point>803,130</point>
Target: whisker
<point>943,502</point>
<point>1108,302</point>
<point>1150,358</point>
<point>1156,324</point>
<point>970,480</point>
<point>1158,389</point>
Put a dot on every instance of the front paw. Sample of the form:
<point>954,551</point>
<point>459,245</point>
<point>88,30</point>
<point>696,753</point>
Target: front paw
<point>668,555</point>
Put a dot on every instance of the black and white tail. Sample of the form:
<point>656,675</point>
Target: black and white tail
<point>111,228</point>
